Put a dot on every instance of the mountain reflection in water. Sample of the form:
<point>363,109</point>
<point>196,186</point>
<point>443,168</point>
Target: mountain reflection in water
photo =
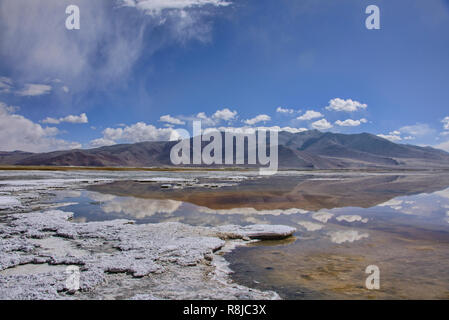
<point>307,192</point>
<point>345,222</point>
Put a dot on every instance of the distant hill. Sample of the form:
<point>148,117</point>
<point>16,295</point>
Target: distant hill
<point>306,150</point>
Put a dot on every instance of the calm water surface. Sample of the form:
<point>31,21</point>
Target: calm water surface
<point>345,222</point>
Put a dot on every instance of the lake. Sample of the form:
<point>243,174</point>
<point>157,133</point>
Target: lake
<point>346,221</point>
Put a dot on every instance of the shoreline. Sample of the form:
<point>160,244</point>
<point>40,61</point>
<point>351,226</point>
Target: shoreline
<point>210,169</point>
<point>117,259</point>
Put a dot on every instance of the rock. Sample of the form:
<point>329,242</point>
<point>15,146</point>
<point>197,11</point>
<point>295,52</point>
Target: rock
<point>258,231</point>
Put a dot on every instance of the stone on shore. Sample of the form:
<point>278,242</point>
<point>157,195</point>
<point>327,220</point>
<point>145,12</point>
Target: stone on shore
<point>258,232</point>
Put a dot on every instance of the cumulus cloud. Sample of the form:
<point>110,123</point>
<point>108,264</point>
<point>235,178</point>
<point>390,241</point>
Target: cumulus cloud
<point>82,118</point>
<point>322,124</point>
<point>393,136</point>
<point>225,114</point>
<point>350,122</point>
<point>20,133</point>
<point>348,105</point>
<point>244,130</point>
<point>284,110</point>
<point>409,132</point>
<point>445,122</point>
<point>257,119</point>
<point>205,120</point>
<point>32,89</point>
<point>214,120</point>
<point>138,132</point>
<point>172,120</point>
<point>310,114</point>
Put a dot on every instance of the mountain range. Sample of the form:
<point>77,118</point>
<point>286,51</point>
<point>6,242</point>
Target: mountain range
<point>305,150</point>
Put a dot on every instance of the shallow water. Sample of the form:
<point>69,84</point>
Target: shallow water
<point>399,223</point>
<point>346,222</point>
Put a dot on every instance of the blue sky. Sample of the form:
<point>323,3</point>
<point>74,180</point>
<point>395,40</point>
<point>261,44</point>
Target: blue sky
<point>138,69</point>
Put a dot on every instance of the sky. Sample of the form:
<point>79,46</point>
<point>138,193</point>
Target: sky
<point>137,70</point>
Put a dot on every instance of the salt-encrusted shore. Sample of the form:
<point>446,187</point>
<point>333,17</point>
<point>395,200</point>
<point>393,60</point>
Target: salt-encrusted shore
<point>117,259</point>
<point>120,259</point>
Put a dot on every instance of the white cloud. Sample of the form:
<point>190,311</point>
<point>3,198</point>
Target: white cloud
<point>202,115</point>
<point>5,85</point>
<point>310,114</point>
<point>110,41</point>
<point>322,216</point>
<point>140,208</point>
<point>310,226</point>
<point>350,122</point>
<point>257,119</point>
<point>392,136</point>
<point>225,114</point>
<point>411,132</point>
<point>289,129</point>
<point>282,110</point>
<point>32,89</point>
<point>82,118</point>
<point>252,211</point>
<point>205,120</point>
<point>443,146</point>
<point>65,89</point>
<point>138,132</point>
<point>102,142</point>
<point>352,218</point>
<point>348,105</point>
<point>153,7</point>
<point>445,122</point>
<point>322,124</point>
<point>20,133</point>
<point>347,236</point>
<point>395,204</point>
<point>419,129</point>
<point>243,130</point>
<point>172,120</point>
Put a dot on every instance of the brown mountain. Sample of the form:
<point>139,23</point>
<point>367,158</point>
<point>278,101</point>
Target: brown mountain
<point>306,150</point>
